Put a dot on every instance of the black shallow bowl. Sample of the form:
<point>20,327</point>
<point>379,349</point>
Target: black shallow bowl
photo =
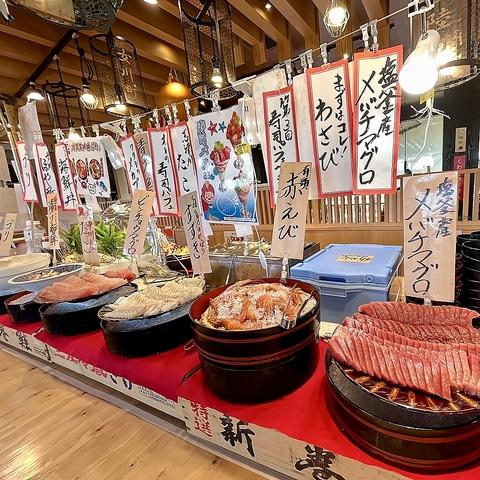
<point>68,318</point>
<point>420,440</point>
<point>470,262</point>
<point>253,366</point>
<point>147,336</point>
<point>472,249</point>
<point>24,312</point>
<point>470,274</point>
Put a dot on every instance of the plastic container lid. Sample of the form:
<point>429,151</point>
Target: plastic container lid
<point>351,264</point>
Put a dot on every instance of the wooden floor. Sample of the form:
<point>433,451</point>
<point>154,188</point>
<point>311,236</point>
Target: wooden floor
<point>50,430</point>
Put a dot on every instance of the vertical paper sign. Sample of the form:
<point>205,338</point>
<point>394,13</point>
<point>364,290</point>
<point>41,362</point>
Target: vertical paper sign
<point>304,130</point>
<point>46,176</point>
<point>68,193</point>
<point>184,159</point>
<point>30,127</point>
<point>281,134</point>
<point>52,222</point>
<point>28,183</point>
<point>225,167</point>
<point>272,80</point>
<point>6,234</point>
<point>291,212</point>
<point>143,146</point>
<point>164,175</point>
<point>131,156</point>
<point>430,228</point>
<point>142,202</point>
<point>331,116</point>
<point>87,235</point>
<point>89,166</point>
<point>376,120</point>
<point>196,240</point>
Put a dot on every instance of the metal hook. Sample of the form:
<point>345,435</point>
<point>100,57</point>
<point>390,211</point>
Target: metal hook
<point>374,33</point>
<point>324,53</point>
<point>365,37</point>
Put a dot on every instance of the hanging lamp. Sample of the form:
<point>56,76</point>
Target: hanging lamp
<point>87,97</point>
<point>207,30</point>
<point>336,18</point>
<point>78,14</point>
<point>119,75</point>
<point>63,101</point>
<point>458,24</point>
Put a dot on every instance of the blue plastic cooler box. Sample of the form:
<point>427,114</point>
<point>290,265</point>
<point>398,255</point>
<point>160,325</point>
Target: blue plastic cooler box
<point>348,276</point>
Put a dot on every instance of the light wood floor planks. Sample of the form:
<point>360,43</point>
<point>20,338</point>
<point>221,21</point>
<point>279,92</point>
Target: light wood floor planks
<point>50,430</point>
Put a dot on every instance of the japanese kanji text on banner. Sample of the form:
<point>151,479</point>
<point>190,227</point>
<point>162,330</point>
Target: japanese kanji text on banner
<point>430,227</point>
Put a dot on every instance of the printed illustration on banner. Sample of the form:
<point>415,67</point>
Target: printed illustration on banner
<point>225,167</point>
<point>89,165</point>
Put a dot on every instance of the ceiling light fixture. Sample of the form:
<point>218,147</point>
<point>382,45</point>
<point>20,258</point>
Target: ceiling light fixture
<point>89,99</point>
<point>34,93</point>
<point>336,18</point>
<point>419,73</point>
<point>268,5</point>
<point>151,2</point>
<point>217,78</point>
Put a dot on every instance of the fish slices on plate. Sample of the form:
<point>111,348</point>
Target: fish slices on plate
<point>156,300</point>
<point>78,288</point>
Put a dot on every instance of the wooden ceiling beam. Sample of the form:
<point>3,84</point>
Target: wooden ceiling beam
<point>270,22</point>
<point>322,5</point>
<point>301,15</point>
<point>43,33</point>
<point>148,18</point>
<point>374,9</point>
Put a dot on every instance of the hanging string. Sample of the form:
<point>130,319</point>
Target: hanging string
<point>281,64</point>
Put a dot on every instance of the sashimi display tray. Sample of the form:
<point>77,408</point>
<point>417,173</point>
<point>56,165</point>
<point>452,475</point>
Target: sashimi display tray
<point>146,335</point>
<point>79,316</point>
<point>404,427</point>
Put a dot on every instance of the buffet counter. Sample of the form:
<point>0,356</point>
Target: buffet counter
<point>294,435</point>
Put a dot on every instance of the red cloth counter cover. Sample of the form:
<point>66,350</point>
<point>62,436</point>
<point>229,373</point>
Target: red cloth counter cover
<point>302,415</point>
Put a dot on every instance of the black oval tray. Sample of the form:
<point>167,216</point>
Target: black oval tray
<point>22,313</point>
<point>73,318</point>
<point>148,335</point>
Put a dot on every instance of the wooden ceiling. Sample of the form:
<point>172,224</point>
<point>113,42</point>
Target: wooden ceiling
<point>156,31</point>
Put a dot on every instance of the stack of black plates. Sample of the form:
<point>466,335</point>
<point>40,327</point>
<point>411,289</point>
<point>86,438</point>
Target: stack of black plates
<point>471,274</point>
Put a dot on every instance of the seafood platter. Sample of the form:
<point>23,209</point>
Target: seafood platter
<point>245,353</point>
<point>70,306</point>
<point>404,382</point>
<point>152,320</point>
<point>240,261</point>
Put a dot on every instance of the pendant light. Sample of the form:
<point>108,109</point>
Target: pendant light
<point>336,18</point>
<point>175,91</point>
<point>88,98</point>
<point>34,93</point>
<point>207,30</point>
<point>118,75</point>
<point>419,73</point>
<point>458,23</point>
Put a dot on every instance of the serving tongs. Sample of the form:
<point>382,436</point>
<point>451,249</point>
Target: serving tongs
<point>288,324</point>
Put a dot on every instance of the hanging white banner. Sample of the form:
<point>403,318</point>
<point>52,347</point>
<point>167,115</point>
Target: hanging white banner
<point>29,127</point>
<point>47,182</point>
<point>430,204</point>
<point>89,163</point>
<point>143,146</point>
<point>304,130</point>
<point>331,117</point>
<point>225,168</point>
<point>184,159</point>
<point>272,80</point>
<point>376,120</point>
<point>281,135</point>
<point>28,184</point>
<point>66,182</point>
<point>133,169</point>
<point>164,173</point>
